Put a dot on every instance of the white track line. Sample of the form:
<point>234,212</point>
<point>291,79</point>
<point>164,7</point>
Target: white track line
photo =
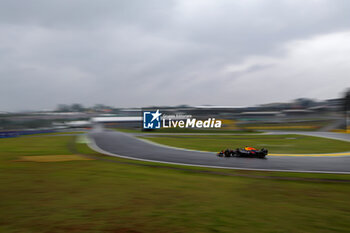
<point>338,154</point>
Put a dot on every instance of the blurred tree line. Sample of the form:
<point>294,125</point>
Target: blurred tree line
<point>80,108</point>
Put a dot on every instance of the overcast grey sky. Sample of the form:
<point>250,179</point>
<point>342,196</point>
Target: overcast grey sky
<point>138,53</point>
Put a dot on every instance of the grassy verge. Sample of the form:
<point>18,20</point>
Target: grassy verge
<point>274,143</point>
<point>101,196</point>
<point>304,126</point>
<point>187,130</point>
<point>55,133</point>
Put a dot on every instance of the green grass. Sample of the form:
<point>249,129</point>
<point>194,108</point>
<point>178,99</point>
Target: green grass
<point>55,133</point>
<point>100,196</point>
<point>274,143</point>
<point>302,126</point>
<point>10,147</point>
<point>187,130</point>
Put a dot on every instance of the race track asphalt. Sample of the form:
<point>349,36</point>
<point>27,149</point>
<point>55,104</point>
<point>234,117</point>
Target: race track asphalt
<point>124,145</point>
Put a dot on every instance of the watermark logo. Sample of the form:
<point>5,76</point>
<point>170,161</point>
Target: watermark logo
<point>156,120</point>
<point>151,120</point>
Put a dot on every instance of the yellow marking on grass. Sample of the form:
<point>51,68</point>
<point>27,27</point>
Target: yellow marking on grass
<point>52,158</point>
<point>229,124</point>
<point>281,127</point>
<point>341,130</point>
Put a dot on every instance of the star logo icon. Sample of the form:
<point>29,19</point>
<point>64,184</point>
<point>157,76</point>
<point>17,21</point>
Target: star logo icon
<point>156,115</point>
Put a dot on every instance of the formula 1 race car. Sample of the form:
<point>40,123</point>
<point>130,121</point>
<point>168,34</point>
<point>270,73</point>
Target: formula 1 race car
<point>247,151</point>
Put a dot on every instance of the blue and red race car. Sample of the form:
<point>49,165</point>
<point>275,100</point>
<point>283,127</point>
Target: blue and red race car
<point>247,151</point>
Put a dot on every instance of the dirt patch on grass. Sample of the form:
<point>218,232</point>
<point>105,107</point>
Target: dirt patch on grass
<point>52,158</point>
